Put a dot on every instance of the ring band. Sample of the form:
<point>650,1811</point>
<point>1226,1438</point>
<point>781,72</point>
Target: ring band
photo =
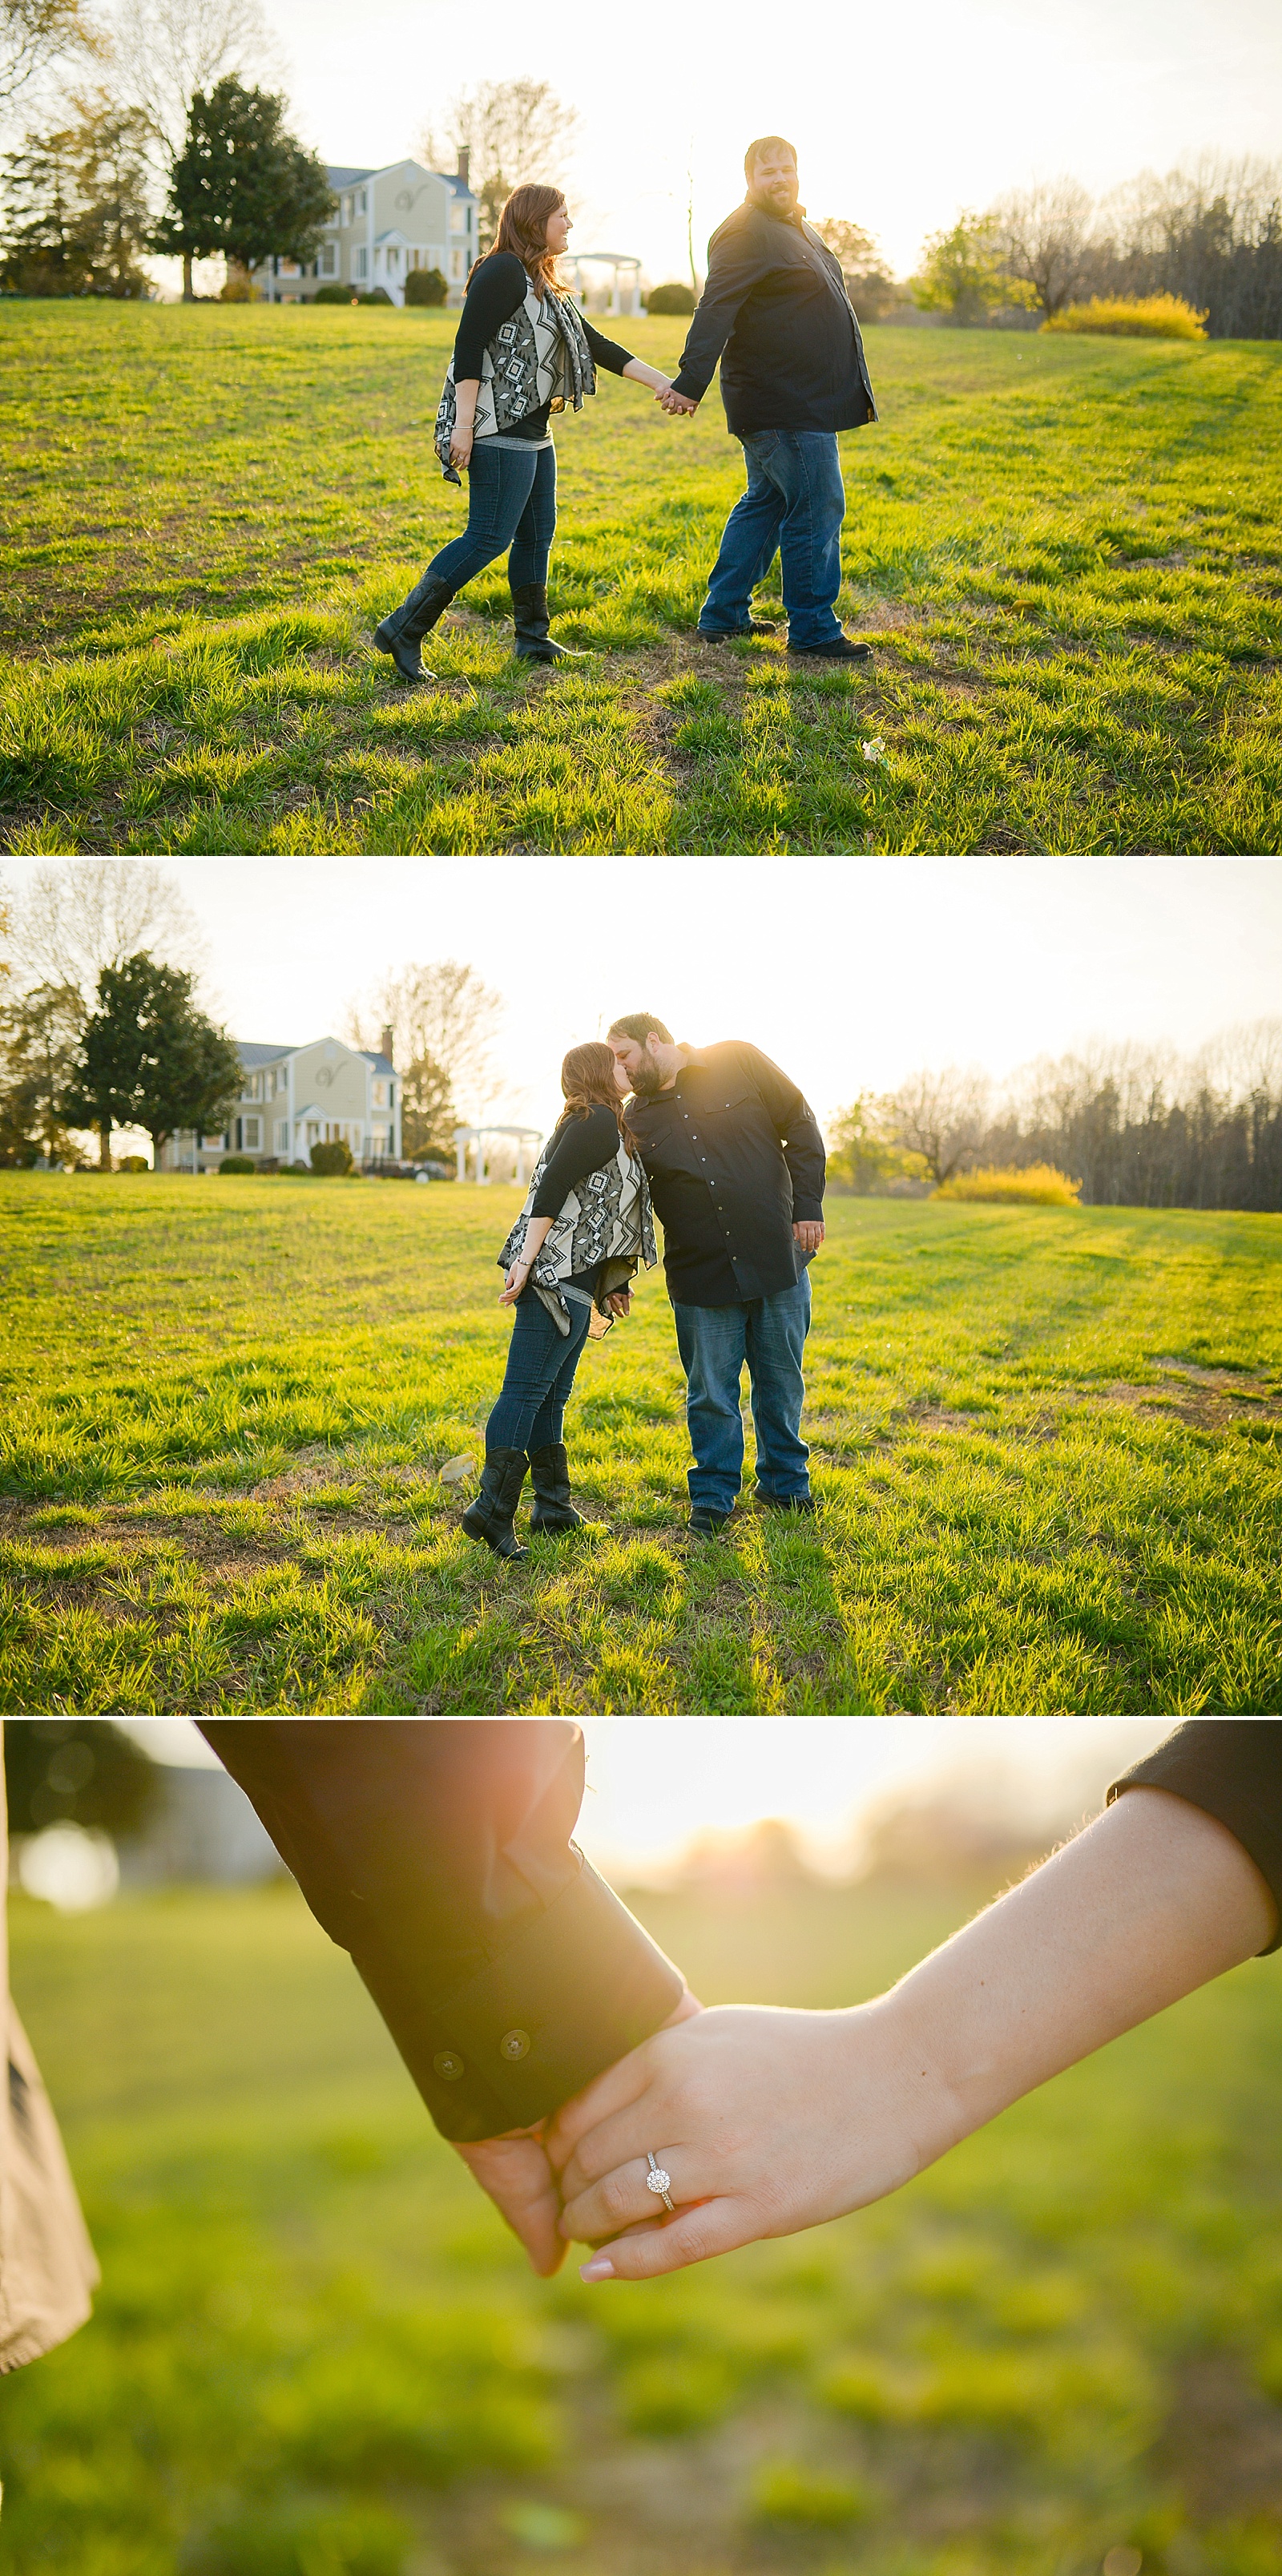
<point>659,2182</point>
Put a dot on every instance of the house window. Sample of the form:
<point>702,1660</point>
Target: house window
<point>347,210</point>
<point>380,1095</point>
<point>360,266</point>
<point>290,268</point>
<point>327,264</point>
<point>282,1135</point>
<point>457,258</point>
<point>253,1135</point>
<point>362,203</point>
<point>458,219</point>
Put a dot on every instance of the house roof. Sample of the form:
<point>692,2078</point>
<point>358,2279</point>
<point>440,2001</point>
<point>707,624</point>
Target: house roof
<point>380,1063</point>
<point>252,1057</point>
<point>340,176</point>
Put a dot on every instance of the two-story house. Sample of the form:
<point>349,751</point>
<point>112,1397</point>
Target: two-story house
<point>295,1097</point>
<point>384,224</point>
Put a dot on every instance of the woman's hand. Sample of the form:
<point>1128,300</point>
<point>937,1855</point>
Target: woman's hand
<point>620,1301</point>
<point>514,1282</point>
<point>461,441</point>
<point>462,436</point>
<point>766,2121</point>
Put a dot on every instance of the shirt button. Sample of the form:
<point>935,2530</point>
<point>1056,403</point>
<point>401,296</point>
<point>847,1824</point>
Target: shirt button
<point>448,2066</point>
<point>514,2044</point>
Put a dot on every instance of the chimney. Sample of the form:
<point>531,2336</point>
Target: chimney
<point>464,165</point>
<point>388,1035</point>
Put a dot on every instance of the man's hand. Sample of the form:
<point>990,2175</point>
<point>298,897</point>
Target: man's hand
<point>515,2173</point>
<point>809,1234</point>
<point>674,402</point>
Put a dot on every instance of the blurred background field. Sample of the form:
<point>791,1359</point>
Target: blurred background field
<point>316,2352</point>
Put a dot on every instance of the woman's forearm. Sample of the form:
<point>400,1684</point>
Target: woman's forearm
<point>645,375</point>
<point>536,1235</point>
<point>466,396</point>
<point>1152,1900</point>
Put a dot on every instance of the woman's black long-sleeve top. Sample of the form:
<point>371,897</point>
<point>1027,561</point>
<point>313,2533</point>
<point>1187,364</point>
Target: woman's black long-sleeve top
<point>498,288</point>
<point>1232,1769</point>
<point>438,1853</point>
<point>584,1145</point>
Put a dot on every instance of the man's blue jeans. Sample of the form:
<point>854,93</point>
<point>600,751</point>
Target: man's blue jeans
<point>714,1341</point>
<point>795,504</point>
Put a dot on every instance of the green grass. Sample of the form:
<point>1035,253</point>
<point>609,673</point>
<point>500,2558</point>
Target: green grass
<point>1046,1444</point>
<point>316,2352</point>
<point>1065,551</point>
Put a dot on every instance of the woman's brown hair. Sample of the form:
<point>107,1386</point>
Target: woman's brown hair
<point>587,1081</point>
<point>523,227</point>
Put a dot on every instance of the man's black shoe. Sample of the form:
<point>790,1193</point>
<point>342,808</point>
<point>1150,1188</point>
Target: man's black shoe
<point>732,634</point>
<point>840,650</point>
<point>705,1524</point>
<point>788,1502</point>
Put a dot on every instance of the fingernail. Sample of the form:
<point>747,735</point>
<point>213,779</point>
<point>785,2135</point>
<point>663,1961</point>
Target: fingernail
<point>599,2269</point>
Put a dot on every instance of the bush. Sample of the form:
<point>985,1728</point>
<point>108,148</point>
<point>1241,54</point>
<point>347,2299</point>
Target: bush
<point>300,2539</point>
<point>376,295</point>
<point>673,298</point>
<point>785,2493</point>
<point>335,295</point>
<point>331,1161</point>
<point>1154,317</point>
<point>304,1168</point>
<point>133,1163</point>
<point>237,1163</point>
<point>1036,1185</point>
<point>238,290</point>
<point>426,286</point>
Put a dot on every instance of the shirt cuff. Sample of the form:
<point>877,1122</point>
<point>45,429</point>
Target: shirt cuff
<point>1193,1764</point>
<point>807,1211</point>
<point>570,1994</point>
<point>684,384</point>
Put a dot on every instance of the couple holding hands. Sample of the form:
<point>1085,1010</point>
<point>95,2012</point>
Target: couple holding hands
<point>774,311</point>
<point>593,2097</point>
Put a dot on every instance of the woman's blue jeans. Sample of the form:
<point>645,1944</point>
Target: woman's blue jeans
<point>540,1373</point>
<point>794,504</point>
<point>714,1341</point>
<point>511,503</point>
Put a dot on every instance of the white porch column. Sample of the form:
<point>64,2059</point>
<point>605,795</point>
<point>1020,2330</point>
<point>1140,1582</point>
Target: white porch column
<point>460,1149</point>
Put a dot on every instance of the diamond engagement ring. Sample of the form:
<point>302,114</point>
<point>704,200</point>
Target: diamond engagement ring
<point>659,2182</point>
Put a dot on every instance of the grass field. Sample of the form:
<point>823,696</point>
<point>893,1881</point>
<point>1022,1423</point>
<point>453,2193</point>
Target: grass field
<point>316,2352</point>
<point>1046,1444</point>
<point>1065,551</point>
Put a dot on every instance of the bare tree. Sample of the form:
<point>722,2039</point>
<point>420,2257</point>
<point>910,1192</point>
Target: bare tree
<point>36,34</point>
<point>1043,235</point>
<point>79,915</point>
<point>515,131</point>
<point>163,51</point>
<point>942,1117</point>
<point>443,1020</point>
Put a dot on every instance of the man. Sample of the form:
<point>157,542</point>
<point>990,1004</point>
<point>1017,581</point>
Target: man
<point>736,1166</point>
<point>776,312</point>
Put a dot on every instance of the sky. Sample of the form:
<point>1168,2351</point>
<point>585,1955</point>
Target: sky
<point>655,1785</point>
<point>899,116</point>
<point>851,973</point>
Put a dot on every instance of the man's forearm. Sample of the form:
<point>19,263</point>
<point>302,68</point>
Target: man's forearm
<point>1152,1900</point>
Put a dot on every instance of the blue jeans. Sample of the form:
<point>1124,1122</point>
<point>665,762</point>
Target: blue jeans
<point>540,1373</point>
<point>511,500</point>
<point>795,504</point>
<point>714,1341</point>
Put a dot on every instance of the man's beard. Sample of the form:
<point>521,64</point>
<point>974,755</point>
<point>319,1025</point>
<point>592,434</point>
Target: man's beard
<point>647,1081</point>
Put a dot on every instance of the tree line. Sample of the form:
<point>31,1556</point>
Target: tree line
<point>1211,236</point>
<point>1134,1128</point>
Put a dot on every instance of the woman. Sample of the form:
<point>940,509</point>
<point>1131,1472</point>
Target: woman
<point>523,350</point>
<point>570,1255</point>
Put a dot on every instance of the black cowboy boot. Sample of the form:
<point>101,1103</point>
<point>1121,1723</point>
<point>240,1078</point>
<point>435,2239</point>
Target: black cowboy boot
<point>492,1514</point>
<point>531,620</point>
<point>399,634</point>
<point>552,1508</point>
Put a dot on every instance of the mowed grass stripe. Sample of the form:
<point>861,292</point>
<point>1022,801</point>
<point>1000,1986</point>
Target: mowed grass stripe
<point>1046,1444</point>
<point>1066,553</point>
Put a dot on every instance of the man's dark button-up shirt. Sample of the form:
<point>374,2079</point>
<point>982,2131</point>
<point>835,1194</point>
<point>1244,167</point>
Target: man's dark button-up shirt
<point>776,312</point>
<point>735,1157</point>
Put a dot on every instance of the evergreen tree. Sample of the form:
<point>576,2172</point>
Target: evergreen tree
<point>149,1059</point>
<point>77,208</point>
<point>242,184</point>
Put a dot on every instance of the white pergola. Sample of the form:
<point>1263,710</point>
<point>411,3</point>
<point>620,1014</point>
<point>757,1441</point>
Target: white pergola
<point>528,1141</point>
<point>625,296</point>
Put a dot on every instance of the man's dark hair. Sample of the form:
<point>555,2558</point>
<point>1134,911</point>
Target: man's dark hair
<point>639,1025</point>
<point>766,143</point>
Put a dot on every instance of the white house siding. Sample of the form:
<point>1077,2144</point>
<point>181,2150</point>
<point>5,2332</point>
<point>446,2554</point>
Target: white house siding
<point>295,1097</point>
<point>385,223</point>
